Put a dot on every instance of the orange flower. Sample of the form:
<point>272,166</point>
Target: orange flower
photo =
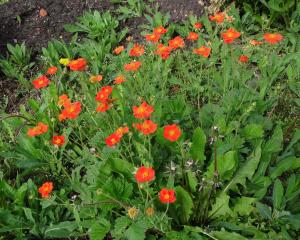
<point>63,100</point>
<point>243,59</point>
<point>204,51</point>
<point>58,140</point>
<point>167,195</point>
<point>118,50</point>
<point>39,129</point>
<point>41,82</point>
<point>255,42</point>
<point>230,35</point>
<point>70,111</point>
<point>147,127</point>
<point>218,18</point>
<point>163,51</point>
<point>52,70</point>
<point>197,25</point>
<point>142,111</point>
<point>172,132</point>
<point>176,42</point>
<point>78,64</point>
<point>136,51</point>
<point>273,38</point>
<point>103,94</point>
<point>121,131</point>
<point>152,37</point>
<point>119,79</point>
<point>160,30</point>
<point>46,189</point>
<point>97,78</point>
<point>144,174</point>
<point>192,36</point>
<point>112,140</point>
<point>132,66</point>
<point>102,106</point>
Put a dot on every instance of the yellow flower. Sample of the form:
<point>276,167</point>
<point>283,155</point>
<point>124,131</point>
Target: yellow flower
<point>64,61</point>
<point>132,212</point>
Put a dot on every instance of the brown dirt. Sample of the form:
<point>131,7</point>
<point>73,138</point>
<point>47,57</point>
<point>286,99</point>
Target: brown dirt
<point>21,21</point>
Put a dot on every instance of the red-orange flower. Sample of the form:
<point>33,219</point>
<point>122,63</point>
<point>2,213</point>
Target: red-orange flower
<point>119,79</point>
<point>97,78</point>
<point>103,94</point>
<point>144,174</point>
<point>230,35</point>
<point>102,106</point>
<point>255,42</point>
<point>192,36</point>
<point>58,140</point>
<point>172,132</point>
<point>132,66</point>
<point>204,51</point>
<point>78,64</point>
<point>176,42</point>
<point>197,25</point>
<point>63,100</point>
<point>160,30</point>
<point>112,139</point>
<point>142,111</point>
<point>41,82</point>
<point>273,38</point>
<point>218,18</point>
<point>163,51</point>
<point>39,129</point>
<point>167,195</point>
<point>52,70</point>
<point>136,51</point>
<point>152,37</point>
<point>70,111</point>
<point>121,131</point>
<point>118,50</point>
<point>147,127</point>
<point>243,59</point>
<point>46,189</point>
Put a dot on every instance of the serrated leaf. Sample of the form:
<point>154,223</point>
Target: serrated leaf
<point>99,230</point>
<point>221,206</point>
<point>61,230</point>
<point>243,206</point>
<point>136,231</point>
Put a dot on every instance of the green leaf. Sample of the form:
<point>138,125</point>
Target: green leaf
<point>60,230</point>
<point>121,224</point>
<point>223,235</point>
<point>99,230</point>
<point>184,204</point>
<point>243,206</point>
<point>198,145</point>
<point>264,210</point>
<point>192,180</point>
<point>247,169</point>
<point>136,231</point>
<point>274,145</point>
<point>252,131</point>
<point>221,206</point>
<point>286,164</point>
<point>277,196</point>
<point>226,164</point>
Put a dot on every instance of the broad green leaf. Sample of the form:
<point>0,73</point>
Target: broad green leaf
<point>221,206</point>
<point>99,230</point>
<point>198,145</point>
<point>277,194</point>
<point>286,164</point>
<point>264,210</point>
<point>223,235</point>
<point>183,204</point>
<point>60,230</point>
<point>193,181</point>
<point>226,164</point>
<point>252,131</point>
<point>136,231</point>
<point>246,170</point>
<point>243,206</point>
